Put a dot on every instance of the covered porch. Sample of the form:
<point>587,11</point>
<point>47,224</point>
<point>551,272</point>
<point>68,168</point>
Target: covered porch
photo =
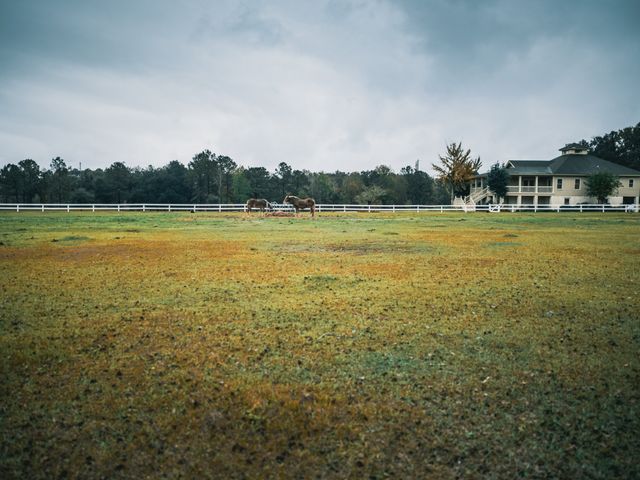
<point>530,184</point>
<point>521,190</point>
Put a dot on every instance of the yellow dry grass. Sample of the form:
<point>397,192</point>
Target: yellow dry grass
<point>353,346</point>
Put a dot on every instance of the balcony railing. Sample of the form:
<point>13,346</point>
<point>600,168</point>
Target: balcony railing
<point>528,189</point>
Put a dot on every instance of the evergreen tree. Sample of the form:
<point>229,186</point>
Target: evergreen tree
<point>204,169</point>
<point>602,185</point>
<point>31,176</point>
<point>10,183</point>
<point>226,167</point>
<point>498,180</point>
<point>60,180</point>
<point>118,182</point>
<point>284,175</point>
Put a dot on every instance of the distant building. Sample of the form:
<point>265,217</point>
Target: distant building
<point>561,181</point>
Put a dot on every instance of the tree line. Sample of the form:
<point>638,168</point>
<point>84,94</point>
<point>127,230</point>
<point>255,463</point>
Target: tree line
<point>212,178</point>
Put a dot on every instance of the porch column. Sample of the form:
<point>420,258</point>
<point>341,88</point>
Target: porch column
<point>535,196</point>
<point>536,184</point>
<point>520,184</point>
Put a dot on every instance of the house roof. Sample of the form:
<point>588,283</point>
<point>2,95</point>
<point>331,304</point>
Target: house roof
<point>529,167</point>
<point>570,164</point>
<point>587,165</point>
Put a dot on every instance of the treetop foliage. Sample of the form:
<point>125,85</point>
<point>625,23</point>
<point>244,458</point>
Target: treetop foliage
<point>456,169</point>
<point>620,146</point>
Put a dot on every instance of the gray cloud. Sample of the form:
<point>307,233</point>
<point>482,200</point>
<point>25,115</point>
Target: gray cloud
<point>320,85</point>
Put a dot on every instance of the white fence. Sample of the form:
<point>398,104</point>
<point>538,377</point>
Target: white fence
<point>240,207</point>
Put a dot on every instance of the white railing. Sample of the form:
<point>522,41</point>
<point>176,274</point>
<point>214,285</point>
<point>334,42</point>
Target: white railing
<point>125,207</point>
<point>477,195</point>
<point>325,207</point>
<point>530,189</point>
<point>584,208</point>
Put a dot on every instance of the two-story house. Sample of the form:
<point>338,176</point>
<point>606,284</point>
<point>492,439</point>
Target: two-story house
<point>560,181</point>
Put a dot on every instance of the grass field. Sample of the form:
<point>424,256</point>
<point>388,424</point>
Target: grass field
<point>147,345</point>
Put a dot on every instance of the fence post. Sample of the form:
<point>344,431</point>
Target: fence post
<point>169,207</point>
<point>93,208</point>
<point>118,207</point>
<point>43,207</point>
<point>441,208</point>
<point>143,208</point>
<point>219,207</point>
<point>603,208</point>
<point>17,207</point>
<point>369,208</point>
<point>580,208</point>
<point>393,208</point>
<point>67,208</point>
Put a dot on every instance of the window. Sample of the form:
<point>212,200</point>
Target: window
<point>577,184</point>
<point>559,184</point>
<point>567,200</point>
<point>631,183</point>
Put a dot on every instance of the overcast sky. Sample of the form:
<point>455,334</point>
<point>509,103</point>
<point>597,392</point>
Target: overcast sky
<point>319,84</point>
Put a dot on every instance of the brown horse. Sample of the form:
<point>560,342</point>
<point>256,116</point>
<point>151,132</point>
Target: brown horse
<point>301,203</point>
<point>259,203</point>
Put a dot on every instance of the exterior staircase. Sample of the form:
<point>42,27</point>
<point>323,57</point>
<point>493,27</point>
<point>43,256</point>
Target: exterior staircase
<point>478,196</point>
<point>468,203</point>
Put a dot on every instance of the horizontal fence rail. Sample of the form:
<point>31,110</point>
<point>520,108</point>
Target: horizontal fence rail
<point>324,207</point>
